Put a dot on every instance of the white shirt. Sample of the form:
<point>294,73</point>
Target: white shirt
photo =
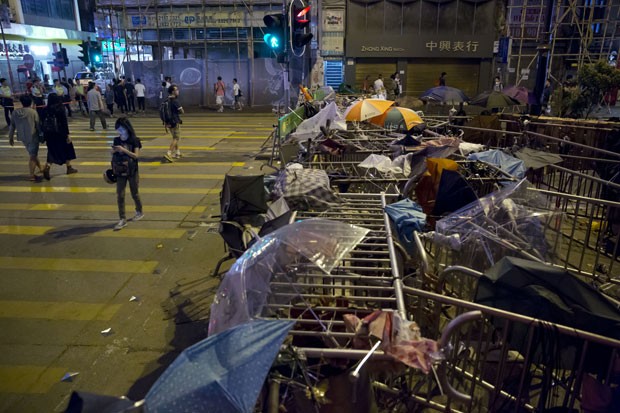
<point>236,89</point>
<point>379,85</point>
<point>140,89</point>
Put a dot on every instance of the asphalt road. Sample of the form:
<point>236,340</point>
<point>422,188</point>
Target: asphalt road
<point>66,275</point>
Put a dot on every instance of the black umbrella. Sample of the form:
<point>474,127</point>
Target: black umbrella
<point>494,99</point>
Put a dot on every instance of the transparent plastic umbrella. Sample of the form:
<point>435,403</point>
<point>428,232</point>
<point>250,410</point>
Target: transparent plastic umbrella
<point>246,289</point>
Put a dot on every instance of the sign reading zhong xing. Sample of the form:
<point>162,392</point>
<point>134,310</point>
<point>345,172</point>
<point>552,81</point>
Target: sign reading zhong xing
<point>405,46</point>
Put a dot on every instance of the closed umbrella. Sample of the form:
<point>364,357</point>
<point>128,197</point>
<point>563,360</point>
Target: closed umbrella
<point>365,109</point>
<point>444,94</point>
<point>494,99</point>
<point>522,94</point>
<point>398,118</point>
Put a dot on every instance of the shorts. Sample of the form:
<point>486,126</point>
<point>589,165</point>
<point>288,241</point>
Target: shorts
<point>237,98</point>
<point>219,100</point>
<point>32,147</point>
<point>176,132</point>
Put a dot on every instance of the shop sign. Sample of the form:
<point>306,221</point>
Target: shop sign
<point>420,46</point>
<point>333,20</point>
<point>174,20</point>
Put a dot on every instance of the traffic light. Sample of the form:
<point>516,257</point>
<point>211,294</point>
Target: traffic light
<point>95,53</point>
<point>59,62</point>
<point>84,46</point>
<point>65,58</point>
<point>275,33</point>
<point>300,23</point>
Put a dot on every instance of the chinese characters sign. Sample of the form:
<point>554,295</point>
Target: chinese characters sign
<point>180,20</point>
<point>448,46</point>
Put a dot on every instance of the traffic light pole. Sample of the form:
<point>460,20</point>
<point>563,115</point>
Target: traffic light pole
<point>287,89</point>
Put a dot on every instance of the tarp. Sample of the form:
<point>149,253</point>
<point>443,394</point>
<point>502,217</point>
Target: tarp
<point>505,162</point>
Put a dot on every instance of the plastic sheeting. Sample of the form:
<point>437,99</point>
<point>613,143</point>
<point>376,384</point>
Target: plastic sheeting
<point>246,289</point>
<point>310,128</point>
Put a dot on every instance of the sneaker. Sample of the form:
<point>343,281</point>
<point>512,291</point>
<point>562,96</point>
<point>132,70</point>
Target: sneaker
<point>177,155</point>
<point>46,173</point>
<point>91,129</point>
<point>138,216</point>
<point>168,157</point>
<point>71,170</point>
<point>121,224</point>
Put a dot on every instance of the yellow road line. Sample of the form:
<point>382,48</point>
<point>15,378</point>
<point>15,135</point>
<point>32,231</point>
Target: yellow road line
<point>77,264</point>
<point>157,163</point>
<point>99,208</point>
<point>142,176</point>
<point>108,233</point>
<point>110,189</point>
<point>58,310</point>
<point>29,379</point>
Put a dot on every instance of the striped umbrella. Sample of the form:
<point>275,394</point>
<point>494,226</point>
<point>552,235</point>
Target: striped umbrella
<point>398,118</point>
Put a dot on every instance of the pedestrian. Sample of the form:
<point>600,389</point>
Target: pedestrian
<point>220,90</point>
<point>237,94</point>
<point>125,153</point>
<point>37,96</point>
<point>26,123</point>
<point>6,97</point>
<point>398,85</point>
<point>109,99</point>
<point>120,97</point>
<point>55,128</point>
<point>129,93</point>
<point>379,87</point>
<point>167,82</point>
<point>67,97</point>
<point>174,123</point>
<point>392,87</point>
<point>80,96</point>
<point>366,88</point>
<point>95,106</point>
<point>546,93</point>
<point>140,94</point>
<point>497,84</point>
<point>442,79</point>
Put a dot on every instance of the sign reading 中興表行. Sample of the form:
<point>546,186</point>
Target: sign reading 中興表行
<point>464,46</point>
<point>185,19</point>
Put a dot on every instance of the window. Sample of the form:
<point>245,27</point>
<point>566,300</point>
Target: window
<point>333,73</point>
<point>56,9</point>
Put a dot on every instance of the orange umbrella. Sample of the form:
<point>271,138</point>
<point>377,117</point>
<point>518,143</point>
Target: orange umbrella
<point>396,117</point>
<point>366,109</point>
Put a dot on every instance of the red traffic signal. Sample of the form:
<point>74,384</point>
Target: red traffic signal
<point>300,22</point>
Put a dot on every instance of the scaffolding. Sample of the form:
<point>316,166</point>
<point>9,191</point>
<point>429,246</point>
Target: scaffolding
<point>571,32</point>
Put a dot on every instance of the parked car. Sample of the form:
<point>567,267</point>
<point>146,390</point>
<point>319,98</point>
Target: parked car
<point>100,78</point>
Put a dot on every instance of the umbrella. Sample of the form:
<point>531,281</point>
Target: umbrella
<point>537,159</point>
<point>305,188</point>
<point>551,294</point>
<point>445,94</point>
<point>510,164</point>
<point>522,94</point>
<point>222,373</point>
<point>246,288</point>
<point>493,99</point>
<point>398,118</point>
<point>366,108</point>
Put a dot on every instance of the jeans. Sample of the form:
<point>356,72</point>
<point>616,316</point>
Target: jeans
<point>141,103</point>
<point>131,105</point>
<point>8,112</point>
<point>99,113</point>
<point>121,184</point>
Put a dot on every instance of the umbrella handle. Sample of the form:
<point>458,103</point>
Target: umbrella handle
<point>355,374</point>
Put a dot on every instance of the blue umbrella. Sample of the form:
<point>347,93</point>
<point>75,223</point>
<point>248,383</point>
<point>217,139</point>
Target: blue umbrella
<point>445,94</point>
<point>223,373</point>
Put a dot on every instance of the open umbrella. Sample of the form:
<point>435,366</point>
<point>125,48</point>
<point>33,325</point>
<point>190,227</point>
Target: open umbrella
<point>494,99</point>
<point>366,108</point>
<point>398,118</point>
<point>247,287</point>
<point>444,94</point>
<point>522,94</point>
<point>222,373</point>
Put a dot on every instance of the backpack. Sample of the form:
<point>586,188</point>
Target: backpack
<point>240,94</point>
<point>49,125</point>
<point>165,112</point>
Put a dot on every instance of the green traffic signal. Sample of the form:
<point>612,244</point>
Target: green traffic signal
<point>275,31</point>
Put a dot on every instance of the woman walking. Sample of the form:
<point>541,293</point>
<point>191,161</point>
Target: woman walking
<point>55,128</point>
<point>125,154</point>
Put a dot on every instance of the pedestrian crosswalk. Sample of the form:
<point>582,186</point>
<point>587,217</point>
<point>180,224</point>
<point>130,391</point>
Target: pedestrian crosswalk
<point>65,274</point>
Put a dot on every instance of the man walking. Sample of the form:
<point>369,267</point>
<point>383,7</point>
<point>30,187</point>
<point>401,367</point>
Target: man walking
<point>129,92</point>
<point>26,123</point>
<point>6,97</point>
<point>237,95</point>
<point>95,106</point>
<point>140,94</point>
<point>172,121</point>
<point>219,89</point>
